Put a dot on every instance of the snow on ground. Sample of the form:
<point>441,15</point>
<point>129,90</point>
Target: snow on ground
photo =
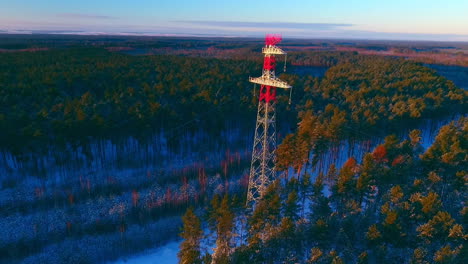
<point>166,254</point>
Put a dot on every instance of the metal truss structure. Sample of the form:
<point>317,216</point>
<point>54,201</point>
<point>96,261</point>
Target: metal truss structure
<point>263,165</point>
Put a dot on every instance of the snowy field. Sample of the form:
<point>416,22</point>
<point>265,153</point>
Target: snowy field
<point>162,255</point>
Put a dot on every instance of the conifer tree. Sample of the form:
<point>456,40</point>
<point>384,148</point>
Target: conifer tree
<point>332,175</point>
<point>224,232</point>
<point>366,178</point>
<point>391,145</point>
<point>446,255</point>
<point>419,256</point>
<point>320,207</point>
<point>320,212</point>
<point>335,258</point>
<point>265,216</point>
<point>212,215</point>
<point>291,206</point>
<point>415,139</point>
<point>316,256</point>
<point>344,196</point>
<point>192,234</point>
<point>363,258</point>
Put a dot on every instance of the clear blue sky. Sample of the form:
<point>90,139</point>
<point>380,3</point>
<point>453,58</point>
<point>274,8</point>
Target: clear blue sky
<point>392,19</point>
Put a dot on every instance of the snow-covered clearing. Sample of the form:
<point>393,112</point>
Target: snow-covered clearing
<point>166,254</point>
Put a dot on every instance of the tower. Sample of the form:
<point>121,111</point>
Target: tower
<point>263,166</point>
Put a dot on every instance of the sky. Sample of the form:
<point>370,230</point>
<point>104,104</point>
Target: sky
<point>440,20</point>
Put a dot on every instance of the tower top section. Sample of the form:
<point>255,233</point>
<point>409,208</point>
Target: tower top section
<point>268,77</point>
<point>270,45</point>
<point>272,39</point>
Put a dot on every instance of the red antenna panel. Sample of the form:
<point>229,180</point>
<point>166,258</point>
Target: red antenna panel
<point>272,39</point>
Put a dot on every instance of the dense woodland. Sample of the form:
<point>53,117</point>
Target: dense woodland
<point>71,94</point>
<point>400,204</point>
<point>68,95</point>
<point>64,95</point>
<point>364,96</point>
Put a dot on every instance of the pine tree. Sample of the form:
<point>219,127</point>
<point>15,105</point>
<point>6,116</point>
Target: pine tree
<point>265,217</point>
<point>392,226</point>
<point>284,242</point>
<point>262,225</point>
<point>363,258</point>
<point>320,207</point>
<point>415,139</point>
<point>291,207</point>
<point>335,258</point>
<point>332,175</point>
<point>316,256</point>
<point>419,256</point>
<point>366,178</point>
<point>438,228</point>
<point>212,217</point>
<point>285,153</point>
<point>450,147</point>
<point>446,255</point>
<point>344,183</point>
<point>373,235</point>
<point>192,234</point>
<point>224,232</point>
<point>344,196</point>
<point>320,213</point>
<point>391,146</point>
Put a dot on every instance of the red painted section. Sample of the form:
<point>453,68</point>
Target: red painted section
<point>269,63</point>
<point>267,93</point>
<point>272,39</point>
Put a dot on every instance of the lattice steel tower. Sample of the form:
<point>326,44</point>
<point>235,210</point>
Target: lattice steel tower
<point>263,166</point>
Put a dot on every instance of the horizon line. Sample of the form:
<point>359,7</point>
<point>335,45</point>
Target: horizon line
<point>202,35</point>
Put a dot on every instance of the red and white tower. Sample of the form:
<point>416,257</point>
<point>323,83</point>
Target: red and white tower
<point>263,166</point>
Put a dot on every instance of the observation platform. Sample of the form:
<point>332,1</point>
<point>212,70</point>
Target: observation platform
<point>270,81</point>
<point>273,50</point>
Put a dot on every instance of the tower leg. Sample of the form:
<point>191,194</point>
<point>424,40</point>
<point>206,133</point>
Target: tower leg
<point>263,166</point>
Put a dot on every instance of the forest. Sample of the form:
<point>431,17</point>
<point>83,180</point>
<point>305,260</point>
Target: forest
<point>364,96</point>
<point>71,92</point>
<point>400,204</point>
<point>66,95</point>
